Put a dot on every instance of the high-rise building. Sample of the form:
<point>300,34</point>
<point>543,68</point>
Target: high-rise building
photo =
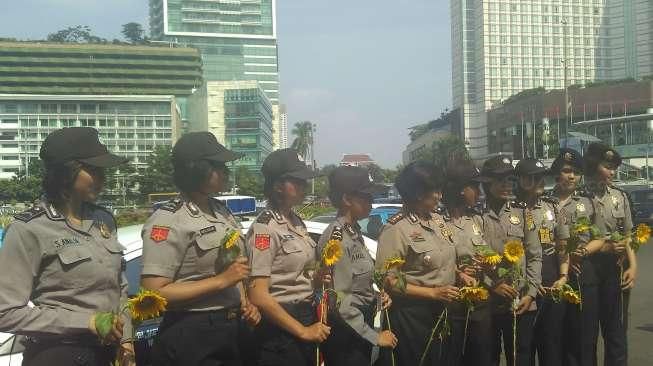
<point>283,127</point>
<point>237,40</point>
<point>239,114</point>
<point>628,31</point>
<point>500,48</point>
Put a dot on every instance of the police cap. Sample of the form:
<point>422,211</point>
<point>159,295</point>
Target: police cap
<point>497,166</point>
<point>530,166</point>
<point>285,163</point>
<point>195,146</point>
<point>598,153</point>
<point>350,179</point>
<point>463,173</point>
<point>78,144</point>
<point>569,157</point>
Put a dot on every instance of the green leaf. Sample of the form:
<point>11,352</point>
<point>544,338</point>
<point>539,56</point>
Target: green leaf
<point>401,282</point>
<point>503,272</point>
<point>103,323</point>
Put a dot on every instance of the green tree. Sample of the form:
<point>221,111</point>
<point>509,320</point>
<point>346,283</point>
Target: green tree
<point>76,34</point>
<point>158,176</point>
<point>248,183</point>
<point>303,132</point>
<point>133,32</point>
<point>445,149</point>
<point>122,183</point>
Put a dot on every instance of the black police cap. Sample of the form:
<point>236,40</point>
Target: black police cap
<point>499,165</point>
<point>285,163</point>
<point>349,179</point>
<point>601,153</point>
<point>78,144</point>
<point>464,172</point>
<point>567,156</point>
<point>530,166</point>
<point>195,146</point>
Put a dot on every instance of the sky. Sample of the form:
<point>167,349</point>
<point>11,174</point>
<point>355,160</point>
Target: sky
<point>363,71</point>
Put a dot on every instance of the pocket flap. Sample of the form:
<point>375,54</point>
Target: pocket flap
<point>74,254</point>
<point>113,246</point>
<point>209,241</point>
<point>291,246</point>
<point>478,240</point>
<point>516,231</point>
<point>420,247</point>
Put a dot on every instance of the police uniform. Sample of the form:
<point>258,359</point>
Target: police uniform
<point>428,249</point>
<point>281,249</point>
<point>184,244</point>
<point>544,217</point>
<point>612,214</point>
<point>68,272</point>
<point>467,234</point>
<point>352,320</point>
<point>580,325</point>
<point>509,223</point>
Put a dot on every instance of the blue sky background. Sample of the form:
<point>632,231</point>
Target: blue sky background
<point>363,71</point>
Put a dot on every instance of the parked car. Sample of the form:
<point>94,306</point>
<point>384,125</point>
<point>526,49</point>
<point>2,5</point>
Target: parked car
<point>371,225</point>
<point>642,205</point>
<point>11,346</point>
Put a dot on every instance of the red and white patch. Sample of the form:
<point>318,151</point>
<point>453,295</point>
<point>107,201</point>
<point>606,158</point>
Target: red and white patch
<point>262,241</point>
<point>159,233</point>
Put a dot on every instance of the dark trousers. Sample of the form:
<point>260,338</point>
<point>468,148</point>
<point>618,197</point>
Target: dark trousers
<point>276,347</point>
<point>412,322</point>
<point>68,355</point>
<point>478,349</point>
<point>612,311</point>
<point>582,329</point>
<point>502,324</point>
<point>547,338</point>
<point>207,338</point>
<point>345,347</point>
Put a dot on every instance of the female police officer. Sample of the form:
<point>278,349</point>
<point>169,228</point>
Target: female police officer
<point>281,250</point>
<point>460,196</point>
<point>505,220</point>
<point>422,239</point>
<point>353,334</point>
<point>63,255</point>
<point>543,216</point>
<point>184,251</point>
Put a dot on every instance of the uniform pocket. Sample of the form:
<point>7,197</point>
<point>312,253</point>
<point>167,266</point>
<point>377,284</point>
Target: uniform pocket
<point>420,247</point>
<point>290,247</point>
<point>478,240</point>
<point>77,267</point>
<point>73,255</point>
<point>516,231</point>
<point>113,246</point>
<point>618,213</point>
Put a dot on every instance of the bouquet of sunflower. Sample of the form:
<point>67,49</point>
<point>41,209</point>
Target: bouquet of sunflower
<point>470,296</point>
<point>392,264</point>
<point>582,226</point>
<point>229,249</point>
<point>566,293</point>
<point>638,237</point>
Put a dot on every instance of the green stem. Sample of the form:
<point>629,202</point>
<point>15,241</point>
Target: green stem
<point>469,310</point>
<point>392,351</point>
<point>514,338</point>
<point>428,344</point>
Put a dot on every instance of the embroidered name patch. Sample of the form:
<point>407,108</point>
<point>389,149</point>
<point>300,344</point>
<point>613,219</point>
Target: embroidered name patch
<point>159,233</point>
<point>207,230</point>
<point>65,242</point>
<point>262,241</point>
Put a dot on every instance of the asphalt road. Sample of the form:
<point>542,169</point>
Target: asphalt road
<point>640,332</point>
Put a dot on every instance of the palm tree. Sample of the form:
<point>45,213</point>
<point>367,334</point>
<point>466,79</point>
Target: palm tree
<point>303,132</point>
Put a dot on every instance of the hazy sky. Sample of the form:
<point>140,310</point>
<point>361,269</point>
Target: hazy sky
<point>363,71</point>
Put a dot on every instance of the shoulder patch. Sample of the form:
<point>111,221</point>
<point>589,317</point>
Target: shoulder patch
<point>262,241</point>
<point>264,217</point>
<point>396,218</point>
<point>336,234</point>
<point>159,233</point>
<point>172,205</point>
<point>30,214</point>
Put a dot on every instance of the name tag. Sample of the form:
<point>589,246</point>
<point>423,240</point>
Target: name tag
<point>545,236</point>
<point>66,242</point>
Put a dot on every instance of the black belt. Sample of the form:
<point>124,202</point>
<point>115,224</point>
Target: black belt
<point>87,341</point>
<point>227,314</point>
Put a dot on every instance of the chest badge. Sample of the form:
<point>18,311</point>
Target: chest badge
<point>427,260</point>
<point>105,231</point>
<point>615,201</point>
<point>514,220</point>
<point>580,207</point>
<point>530,222</point>
<point>476,229</point>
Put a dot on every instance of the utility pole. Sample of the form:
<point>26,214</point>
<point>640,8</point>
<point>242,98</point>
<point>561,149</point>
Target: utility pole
<point>564,67</point>
<point>313,130</point>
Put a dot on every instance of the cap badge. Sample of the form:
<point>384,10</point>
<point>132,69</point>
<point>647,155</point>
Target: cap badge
<point>539,164</point>
<point>568,156</point>
<point>514,220</point>
<point>609,155</point>
<point>104,231</point>
<point>505,161</point>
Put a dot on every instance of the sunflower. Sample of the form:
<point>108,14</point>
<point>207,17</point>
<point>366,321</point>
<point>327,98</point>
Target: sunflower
<point>393,263</point>
<point>231,238</point>
<point>513,251</point>
<point>642,233</point>
<point>571,296</point>
<point>331,252</point>
<point>146,305</point>
<point>580,228</point>
<point>474,294</point>
<point>492,260</point>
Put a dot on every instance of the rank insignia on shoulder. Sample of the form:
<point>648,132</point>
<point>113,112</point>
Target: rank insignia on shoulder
<point>336,234</point>
<point>159,233</point>
<point>104,230</point>
<point>396,218</point>
<point>262,241</point>
<point>172,205</point>
<point>30,214</point>
<point>350,230</point>
<point>264,217</point>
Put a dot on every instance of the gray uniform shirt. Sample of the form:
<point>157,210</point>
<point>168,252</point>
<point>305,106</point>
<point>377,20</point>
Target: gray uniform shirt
<point>612,209</point>
<point>575,207</point>
<point>182,243</point>
<point>550,227</point>
<point>467,233</point>
<point>282,250</point>
<point>426,246</point>
<point>352,275</point>
<point>508,224</point>
<point>69,273</point>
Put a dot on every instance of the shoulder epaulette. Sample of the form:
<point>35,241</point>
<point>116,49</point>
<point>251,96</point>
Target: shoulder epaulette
<point>584,192</point>
<point>264,217</point>
<point>396,218</point>
<point>30,214</point>
<point>551,199</point>
<point>336,234</point>
<point>517,204</point>
<point>441,210</point>
<point>172,205</point>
